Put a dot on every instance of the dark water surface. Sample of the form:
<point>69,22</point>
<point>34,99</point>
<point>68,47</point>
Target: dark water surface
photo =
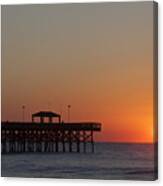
<point>110,161</point>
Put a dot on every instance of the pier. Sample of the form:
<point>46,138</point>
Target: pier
<point>19,137</point>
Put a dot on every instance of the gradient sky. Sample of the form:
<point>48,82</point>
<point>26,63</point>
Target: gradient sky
<point>96,57</point>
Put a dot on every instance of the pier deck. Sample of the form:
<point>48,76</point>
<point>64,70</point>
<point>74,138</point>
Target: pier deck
<point>47,137</point>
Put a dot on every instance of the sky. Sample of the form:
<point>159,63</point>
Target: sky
<point>96,57</point>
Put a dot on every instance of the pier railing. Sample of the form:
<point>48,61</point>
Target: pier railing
<point>66,126</point>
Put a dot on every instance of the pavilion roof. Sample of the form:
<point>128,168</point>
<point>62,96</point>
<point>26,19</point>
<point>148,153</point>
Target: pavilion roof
<point>45,114</point>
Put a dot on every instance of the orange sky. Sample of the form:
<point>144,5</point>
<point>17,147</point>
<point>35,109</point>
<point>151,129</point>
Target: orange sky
<point>98,58</point>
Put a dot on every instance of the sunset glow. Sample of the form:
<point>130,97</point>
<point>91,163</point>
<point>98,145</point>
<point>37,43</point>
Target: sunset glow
<point>98,61</point>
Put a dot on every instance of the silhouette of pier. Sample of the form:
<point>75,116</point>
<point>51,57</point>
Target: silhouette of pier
<point>40,136</point>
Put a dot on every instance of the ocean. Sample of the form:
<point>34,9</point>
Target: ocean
<point>115,161</point>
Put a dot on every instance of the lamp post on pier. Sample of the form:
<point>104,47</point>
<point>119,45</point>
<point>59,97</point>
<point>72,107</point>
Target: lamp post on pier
<point>23,113</point>
<point>68,109</point>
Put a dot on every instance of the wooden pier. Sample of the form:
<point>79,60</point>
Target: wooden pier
<point>19,137</point>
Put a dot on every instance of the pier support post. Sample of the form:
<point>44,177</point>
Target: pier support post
<point>70,141</point>
<point>92,141</point>
<point>63,141</point>
<point>84,141</point>
<point>56,141</point>
<point>78,141</point>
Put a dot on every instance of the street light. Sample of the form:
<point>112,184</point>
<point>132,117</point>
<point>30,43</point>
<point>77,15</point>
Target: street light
<point>68,107</point>
<point>23,112</point>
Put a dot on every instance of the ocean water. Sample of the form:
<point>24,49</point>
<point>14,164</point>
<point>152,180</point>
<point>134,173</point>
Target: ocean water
<point>110,161</point>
